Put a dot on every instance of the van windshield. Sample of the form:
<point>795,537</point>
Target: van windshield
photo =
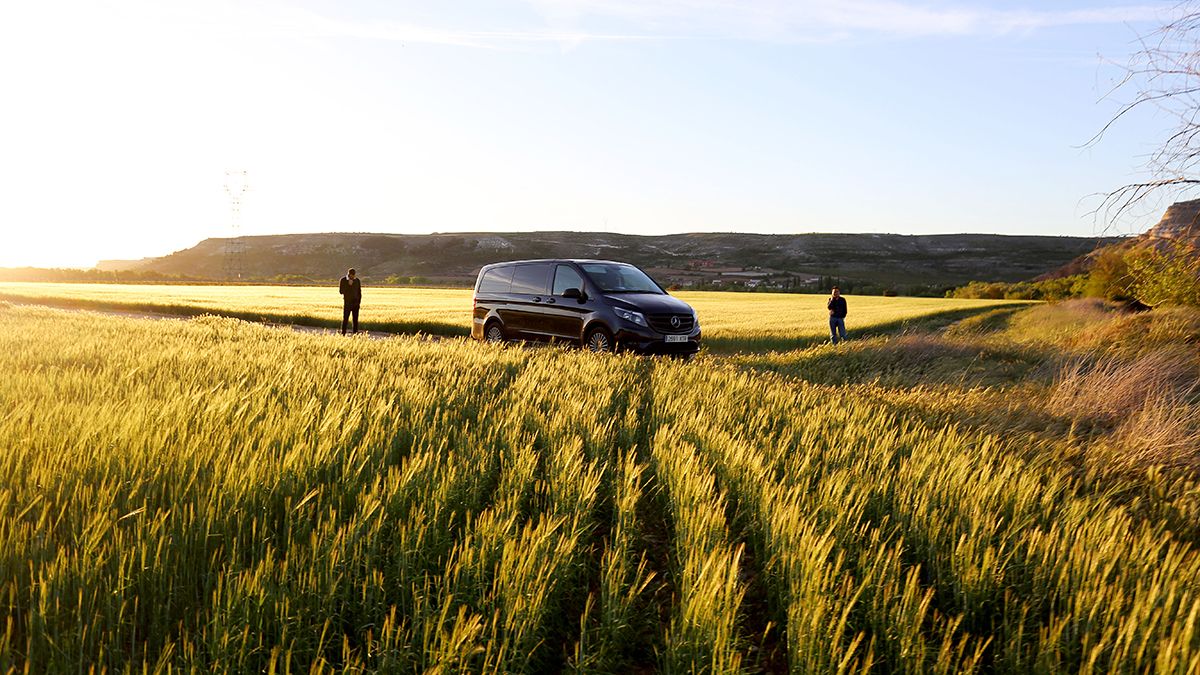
<point>617,278</point>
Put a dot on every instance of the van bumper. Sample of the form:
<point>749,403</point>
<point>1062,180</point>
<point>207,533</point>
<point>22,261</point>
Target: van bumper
<point>650,342</point>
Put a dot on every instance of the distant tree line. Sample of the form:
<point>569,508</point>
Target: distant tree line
<point>390,280</point>
<point>826,283</point>
<point>64,275</point>
<point>854,287</point>
<point>60,275</point>
<point>1054,289</point>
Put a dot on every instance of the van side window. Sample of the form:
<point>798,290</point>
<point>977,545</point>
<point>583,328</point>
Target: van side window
<point>496,280</point>
<point>566,277</point>
<point>531,279</point>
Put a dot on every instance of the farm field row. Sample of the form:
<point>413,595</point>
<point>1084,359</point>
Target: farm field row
<point>215,495</point>
<point>731,321</point>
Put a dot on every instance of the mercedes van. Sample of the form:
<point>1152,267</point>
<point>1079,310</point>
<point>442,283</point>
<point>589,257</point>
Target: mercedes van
<point>599,304</point>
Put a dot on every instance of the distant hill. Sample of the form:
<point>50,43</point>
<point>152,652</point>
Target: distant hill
<point>878,261</point>
<point>122,265</point>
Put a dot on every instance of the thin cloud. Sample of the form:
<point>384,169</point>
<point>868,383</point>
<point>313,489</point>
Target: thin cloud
<point>568,23</point>
<point>305,23</point>
<point>783,20</point>
<point>274,20</point>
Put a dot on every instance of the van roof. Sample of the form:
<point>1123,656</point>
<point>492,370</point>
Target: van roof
<point>554,260</point>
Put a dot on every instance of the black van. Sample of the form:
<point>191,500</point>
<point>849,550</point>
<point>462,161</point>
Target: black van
<point>600,304</point>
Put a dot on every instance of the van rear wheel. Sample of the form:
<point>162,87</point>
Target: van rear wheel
<point>494,332</point>
<point>598,340</point>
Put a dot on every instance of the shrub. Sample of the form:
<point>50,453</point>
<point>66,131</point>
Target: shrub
<point>1164,275</point>
<point>1061,288</point>
<point>980,290</point>
<point>1109,276</point>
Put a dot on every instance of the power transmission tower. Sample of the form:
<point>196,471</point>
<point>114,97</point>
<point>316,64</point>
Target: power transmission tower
<point>236,186</point>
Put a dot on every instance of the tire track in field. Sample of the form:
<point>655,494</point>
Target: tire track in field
<point>756,636</point>
<point>656,527</point>
<point>756,640</point>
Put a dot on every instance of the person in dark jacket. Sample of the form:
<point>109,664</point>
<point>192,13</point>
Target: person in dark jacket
<point>837,316</point>
<point>351,289</point>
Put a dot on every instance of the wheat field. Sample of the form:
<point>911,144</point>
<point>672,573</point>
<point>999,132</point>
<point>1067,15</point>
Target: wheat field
<point>430,310</point>
<point>213,495</point>
<point>730,321</point>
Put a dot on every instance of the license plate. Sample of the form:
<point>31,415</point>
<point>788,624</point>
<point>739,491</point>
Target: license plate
<point>677,338</point>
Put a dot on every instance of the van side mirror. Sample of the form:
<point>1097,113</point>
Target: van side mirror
<point>574,293</point>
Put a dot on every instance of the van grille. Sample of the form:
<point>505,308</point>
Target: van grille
<point>663,323</point>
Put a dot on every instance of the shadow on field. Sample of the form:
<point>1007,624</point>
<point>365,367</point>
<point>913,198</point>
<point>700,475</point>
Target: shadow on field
<point>905,361</point>
<point>770,343</point>
<point>185,311</point>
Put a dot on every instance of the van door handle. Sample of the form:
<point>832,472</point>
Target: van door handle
<point>537,299</point>
<point>549,301</point>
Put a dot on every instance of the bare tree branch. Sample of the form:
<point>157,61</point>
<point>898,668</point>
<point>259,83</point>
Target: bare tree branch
<point>1163,74</point>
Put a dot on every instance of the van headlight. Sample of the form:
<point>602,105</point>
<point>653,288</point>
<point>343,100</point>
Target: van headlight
<point>631,316</point>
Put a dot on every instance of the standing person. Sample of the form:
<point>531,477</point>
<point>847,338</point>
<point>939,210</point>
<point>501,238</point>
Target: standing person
<point>837,316</point>
<point>351,289</point>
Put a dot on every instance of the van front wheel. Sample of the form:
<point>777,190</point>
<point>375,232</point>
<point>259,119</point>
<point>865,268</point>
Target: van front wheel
<point>598,340</point>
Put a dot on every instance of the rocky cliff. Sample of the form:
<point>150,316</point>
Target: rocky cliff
<point>1181,222</point>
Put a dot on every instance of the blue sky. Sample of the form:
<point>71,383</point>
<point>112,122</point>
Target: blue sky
<point>645,116</point>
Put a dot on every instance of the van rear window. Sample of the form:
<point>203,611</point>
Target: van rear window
<point>531,279</point>
<point>496,280</point>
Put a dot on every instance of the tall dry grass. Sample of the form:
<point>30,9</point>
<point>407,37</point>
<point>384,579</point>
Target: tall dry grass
<point>1092,326</point>
<point>1112,390</point>
<point>1149,405</point>
<point>1129,382</point>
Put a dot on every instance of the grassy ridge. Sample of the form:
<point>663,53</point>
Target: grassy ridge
<point>216,495</point>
